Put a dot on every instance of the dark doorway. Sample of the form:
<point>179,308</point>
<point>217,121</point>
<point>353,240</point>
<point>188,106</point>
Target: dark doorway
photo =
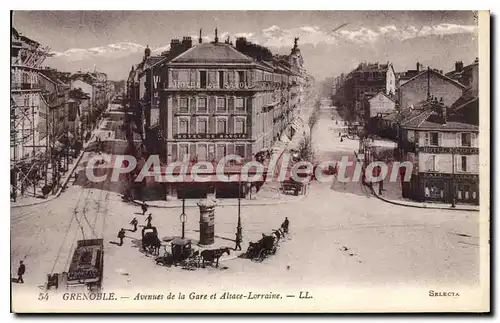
<point>229,190</point>
<point>192,192</point>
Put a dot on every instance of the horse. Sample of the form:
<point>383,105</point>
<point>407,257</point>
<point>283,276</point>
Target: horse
<point>278,233</point>
<point>214,255</point>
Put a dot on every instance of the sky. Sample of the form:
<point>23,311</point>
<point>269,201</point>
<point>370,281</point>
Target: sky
<point>112,41</point>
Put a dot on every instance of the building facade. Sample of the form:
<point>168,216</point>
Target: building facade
<point>444,154</point>
<point>215,99</point>
<point>429,83</point>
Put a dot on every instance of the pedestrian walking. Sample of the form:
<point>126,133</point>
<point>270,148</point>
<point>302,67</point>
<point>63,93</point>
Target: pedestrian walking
<point>144,208</point>
<point>121,235</point>
<point>285,225</point>
<point>238,240</point>
<point>134,222</point>
<point>20,272</point>
<point>148,219</point>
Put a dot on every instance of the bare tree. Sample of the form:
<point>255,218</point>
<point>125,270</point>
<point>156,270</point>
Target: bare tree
<point>305,150</point>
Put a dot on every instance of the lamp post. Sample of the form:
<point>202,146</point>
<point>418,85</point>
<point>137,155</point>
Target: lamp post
<point>183,217</point>
<point>238,228</point>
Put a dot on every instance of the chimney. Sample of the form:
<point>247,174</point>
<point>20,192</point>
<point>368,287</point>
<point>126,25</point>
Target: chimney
<point>240,43</point>
<point>200,40</point>
<point>187,42</point>
<point>418,67</point>
<point>444,116</point>
<point>147,52</point>
<point>459,66</point>
<point>216,40</point>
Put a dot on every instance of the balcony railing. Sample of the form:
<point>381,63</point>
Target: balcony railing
<point>25,86</point>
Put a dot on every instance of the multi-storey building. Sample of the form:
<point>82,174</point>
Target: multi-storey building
<point>27,56</point>
<point>216,99</point>
<point>445,155</point>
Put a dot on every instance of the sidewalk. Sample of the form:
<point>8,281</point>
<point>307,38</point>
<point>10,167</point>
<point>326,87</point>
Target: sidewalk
<point>424,205</point>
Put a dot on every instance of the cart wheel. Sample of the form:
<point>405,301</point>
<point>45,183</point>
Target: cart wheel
<point>262,255</point>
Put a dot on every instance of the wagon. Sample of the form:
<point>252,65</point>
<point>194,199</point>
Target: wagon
<point>181,253</point>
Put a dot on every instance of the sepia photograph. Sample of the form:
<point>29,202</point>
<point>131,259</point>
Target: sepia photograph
<point>292,161</point>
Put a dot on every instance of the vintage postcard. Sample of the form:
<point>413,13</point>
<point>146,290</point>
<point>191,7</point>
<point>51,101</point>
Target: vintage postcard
<point>250,161</point>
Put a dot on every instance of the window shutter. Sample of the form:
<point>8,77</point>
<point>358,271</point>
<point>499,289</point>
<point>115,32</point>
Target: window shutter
<point>230,125</point>
<point>474,140</point>
<point>212,101</point>
<point>211,125</point>
<point>440,139</point>
<point>192,151</point>
<point>174,125</point>
<point>468,165</point>
<point>436,163</point>
<point>458,141</point>
<point>193,125</point>
<point>175,101</point>
<point>458,163</point>
<point>427,142</point>
<point>231,104</point>
<point>192,105</point>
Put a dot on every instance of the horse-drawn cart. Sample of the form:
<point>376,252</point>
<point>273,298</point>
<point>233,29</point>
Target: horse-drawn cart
<point>181,253</point>
<point>262,249</point>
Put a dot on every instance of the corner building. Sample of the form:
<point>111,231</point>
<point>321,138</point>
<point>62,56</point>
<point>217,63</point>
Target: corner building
<point>217,101</point>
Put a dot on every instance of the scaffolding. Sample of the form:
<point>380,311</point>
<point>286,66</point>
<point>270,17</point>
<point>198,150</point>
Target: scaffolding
<point>27,154</point>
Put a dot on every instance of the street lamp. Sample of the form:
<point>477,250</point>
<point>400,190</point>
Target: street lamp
<point>238,228</point>
<point>183,217</point>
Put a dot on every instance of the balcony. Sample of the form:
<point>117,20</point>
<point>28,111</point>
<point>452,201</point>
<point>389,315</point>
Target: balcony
<point>25,86</point>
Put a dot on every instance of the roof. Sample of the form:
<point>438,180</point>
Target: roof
<point>382,93</point>
<point>212,53</point>
<point>422,122</point>
<point>457,84</point>
<point>466,97</point>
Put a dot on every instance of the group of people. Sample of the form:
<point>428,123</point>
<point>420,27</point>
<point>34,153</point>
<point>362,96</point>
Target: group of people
<point>135,222</point>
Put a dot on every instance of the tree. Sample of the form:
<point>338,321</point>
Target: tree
<point>305,149</point>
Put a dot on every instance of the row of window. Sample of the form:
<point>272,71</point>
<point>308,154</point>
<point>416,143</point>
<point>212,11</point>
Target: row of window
<point>23,76</point>
<point>463,139</point>
<point>462,163</point>
<point>202,104</point>
<point>464,192</point>
<point>221,125</point>
<point>202,151</point>
<point>222,78</point>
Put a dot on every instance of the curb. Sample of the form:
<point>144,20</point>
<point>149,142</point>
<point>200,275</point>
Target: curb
<point>420,206</point>
<point>235,203</point>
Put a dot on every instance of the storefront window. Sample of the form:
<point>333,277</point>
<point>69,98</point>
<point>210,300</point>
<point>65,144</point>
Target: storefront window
<point>434,190</point>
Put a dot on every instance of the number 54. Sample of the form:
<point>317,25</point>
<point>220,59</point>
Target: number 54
<point>43,297</point>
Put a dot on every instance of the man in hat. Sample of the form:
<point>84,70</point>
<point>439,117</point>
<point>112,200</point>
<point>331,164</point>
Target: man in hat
<point>148,219</point>
<point>238,240</point>
<point>134,222</point>
<point>144,207</point>
<point>20,272</point>
<point>121,235</point>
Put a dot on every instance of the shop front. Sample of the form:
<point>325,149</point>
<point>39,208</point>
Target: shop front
<point>442,188</point>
